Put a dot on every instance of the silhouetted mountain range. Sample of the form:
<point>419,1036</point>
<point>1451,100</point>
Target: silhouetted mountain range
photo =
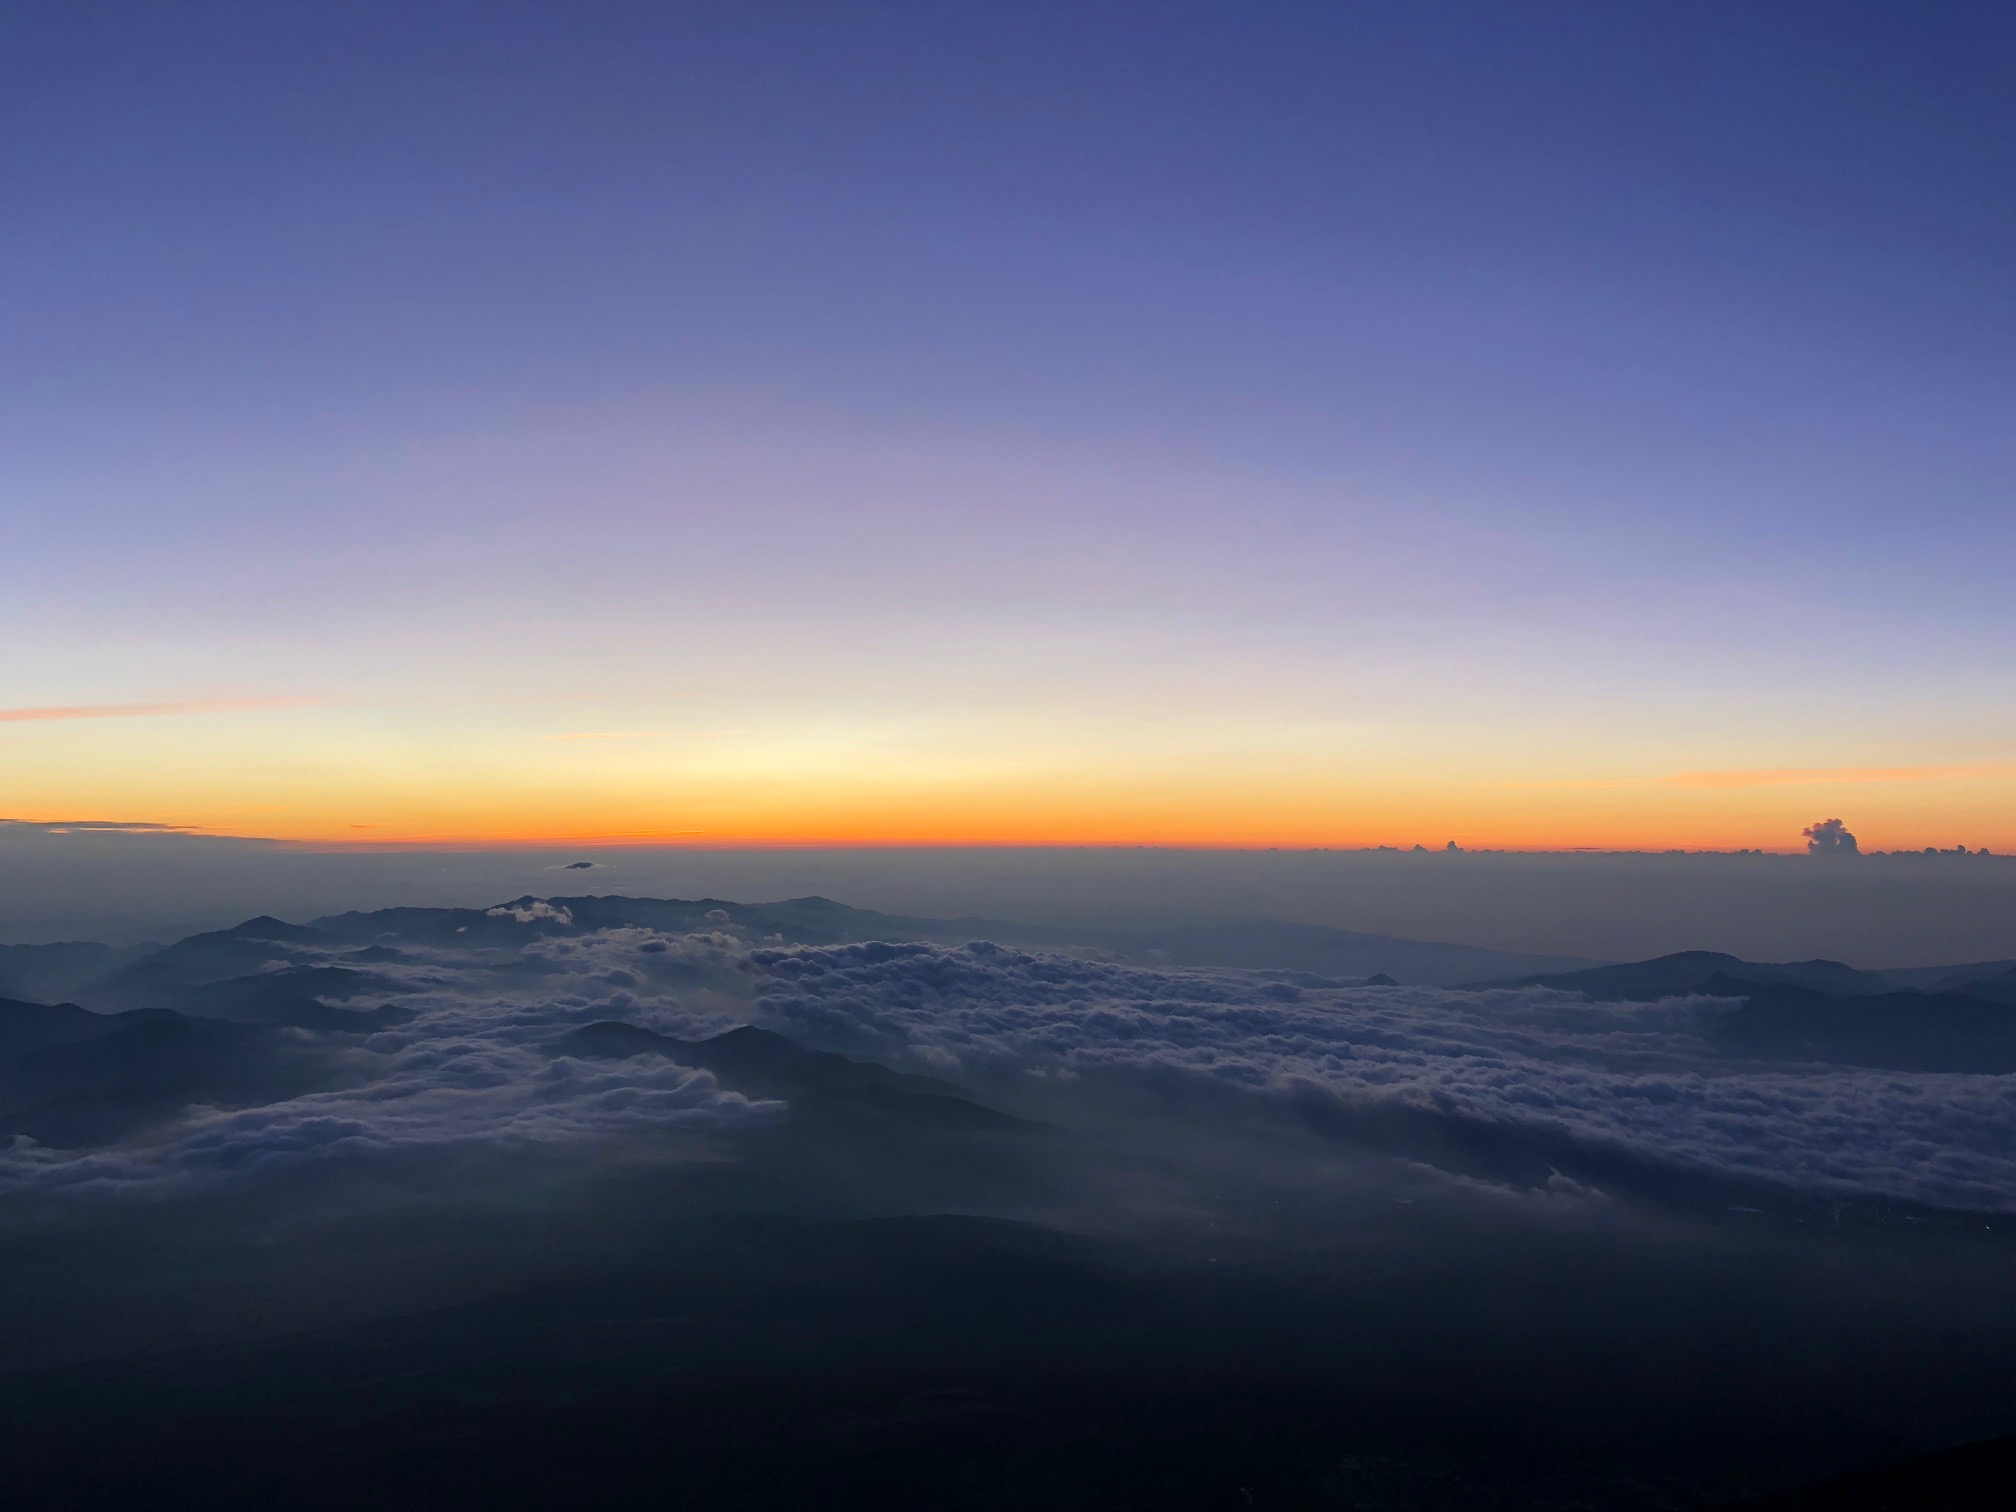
<point>1684,971</point>
<point>26,1027</point>
<point>50,973</point>
<point>1824,1010</point>
<point>165,976</point>
<point>72,1077</point>
<point>1892,1031</point>
<point>1253,944</point>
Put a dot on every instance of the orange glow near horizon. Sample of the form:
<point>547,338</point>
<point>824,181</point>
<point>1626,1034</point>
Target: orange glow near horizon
<point>331,775</point>
<point>1475,817</point>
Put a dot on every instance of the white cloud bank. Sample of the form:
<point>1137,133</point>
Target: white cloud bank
<point>470,1069</point>
<point>1632,1077</point>
<point>473,1069</point>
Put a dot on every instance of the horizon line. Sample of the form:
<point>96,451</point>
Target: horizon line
<point>677,840</point>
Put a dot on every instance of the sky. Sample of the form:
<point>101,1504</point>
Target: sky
<point>1527,425</point>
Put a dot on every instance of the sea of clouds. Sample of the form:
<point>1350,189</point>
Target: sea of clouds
<point>471,1068</point>
<point>1637,1077</point>
<point>474,1069</point>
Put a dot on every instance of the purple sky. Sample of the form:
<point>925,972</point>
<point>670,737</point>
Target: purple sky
<point>1405,409</point>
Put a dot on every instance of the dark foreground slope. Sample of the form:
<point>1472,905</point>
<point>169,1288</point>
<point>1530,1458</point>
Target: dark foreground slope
<point>1972,1478</point>
<point>963,1363</point>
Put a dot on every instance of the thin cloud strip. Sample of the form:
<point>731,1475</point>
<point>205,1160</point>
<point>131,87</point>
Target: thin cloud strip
<point>1787,777</point>
<point>97,826</point>
<point>1790,776</point>
<point>611,735</point>
<point>145,710</point>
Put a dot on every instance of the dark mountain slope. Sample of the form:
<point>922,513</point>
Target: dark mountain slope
<point>1997,988</point>
<point>147,1065</point>
<point>1684,971</point>
<point>1945,978</point>
<point>51,973</point>
<point>160,979</point>
<point>293,996</point>
<point>1973,1478</point>
<point>931,1363</point>
<point>1896,1031</point>
<point>25,1027</point>
<point>1814,1011</point>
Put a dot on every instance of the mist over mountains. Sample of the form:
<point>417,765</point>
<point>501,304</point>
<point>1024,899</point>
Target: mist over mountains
<point>1140,1217</point>
<point>128,887</point>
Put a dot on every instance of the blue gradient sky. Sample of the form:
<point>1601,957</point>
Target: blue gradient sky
<point>1224,424</point>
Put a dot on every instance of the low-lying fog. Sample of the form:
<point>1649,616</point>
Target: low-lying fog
<point>1867,910</point>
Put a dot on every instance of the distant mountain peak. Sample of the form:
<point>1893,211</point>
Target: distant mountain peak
<point>266,927</point>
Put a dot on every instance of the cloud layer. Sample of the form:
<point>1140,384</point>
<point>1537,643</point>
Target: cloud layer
<point>1637,1078</point>
<point>469,1070</point>
<point>1518,1069</point>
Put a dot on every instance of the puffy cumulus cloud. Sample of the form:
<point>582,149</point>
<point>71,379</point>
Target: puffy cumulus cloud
<point>689,984</point>
<point>1638,1078</point>
<point>1830,837</point>
<point>470,1068</point>
<point>533,911</point>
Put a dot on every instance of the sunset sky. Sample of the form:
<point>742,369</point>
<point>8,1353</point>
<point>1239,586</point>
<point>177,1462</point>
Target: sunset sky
<point>1317,425</point>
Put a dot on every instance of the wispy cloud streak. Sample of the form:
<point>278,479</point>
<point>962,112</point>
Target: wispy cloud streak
<point>144,710</point>
<point>1794,776</point>
<point>1788,777</point>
